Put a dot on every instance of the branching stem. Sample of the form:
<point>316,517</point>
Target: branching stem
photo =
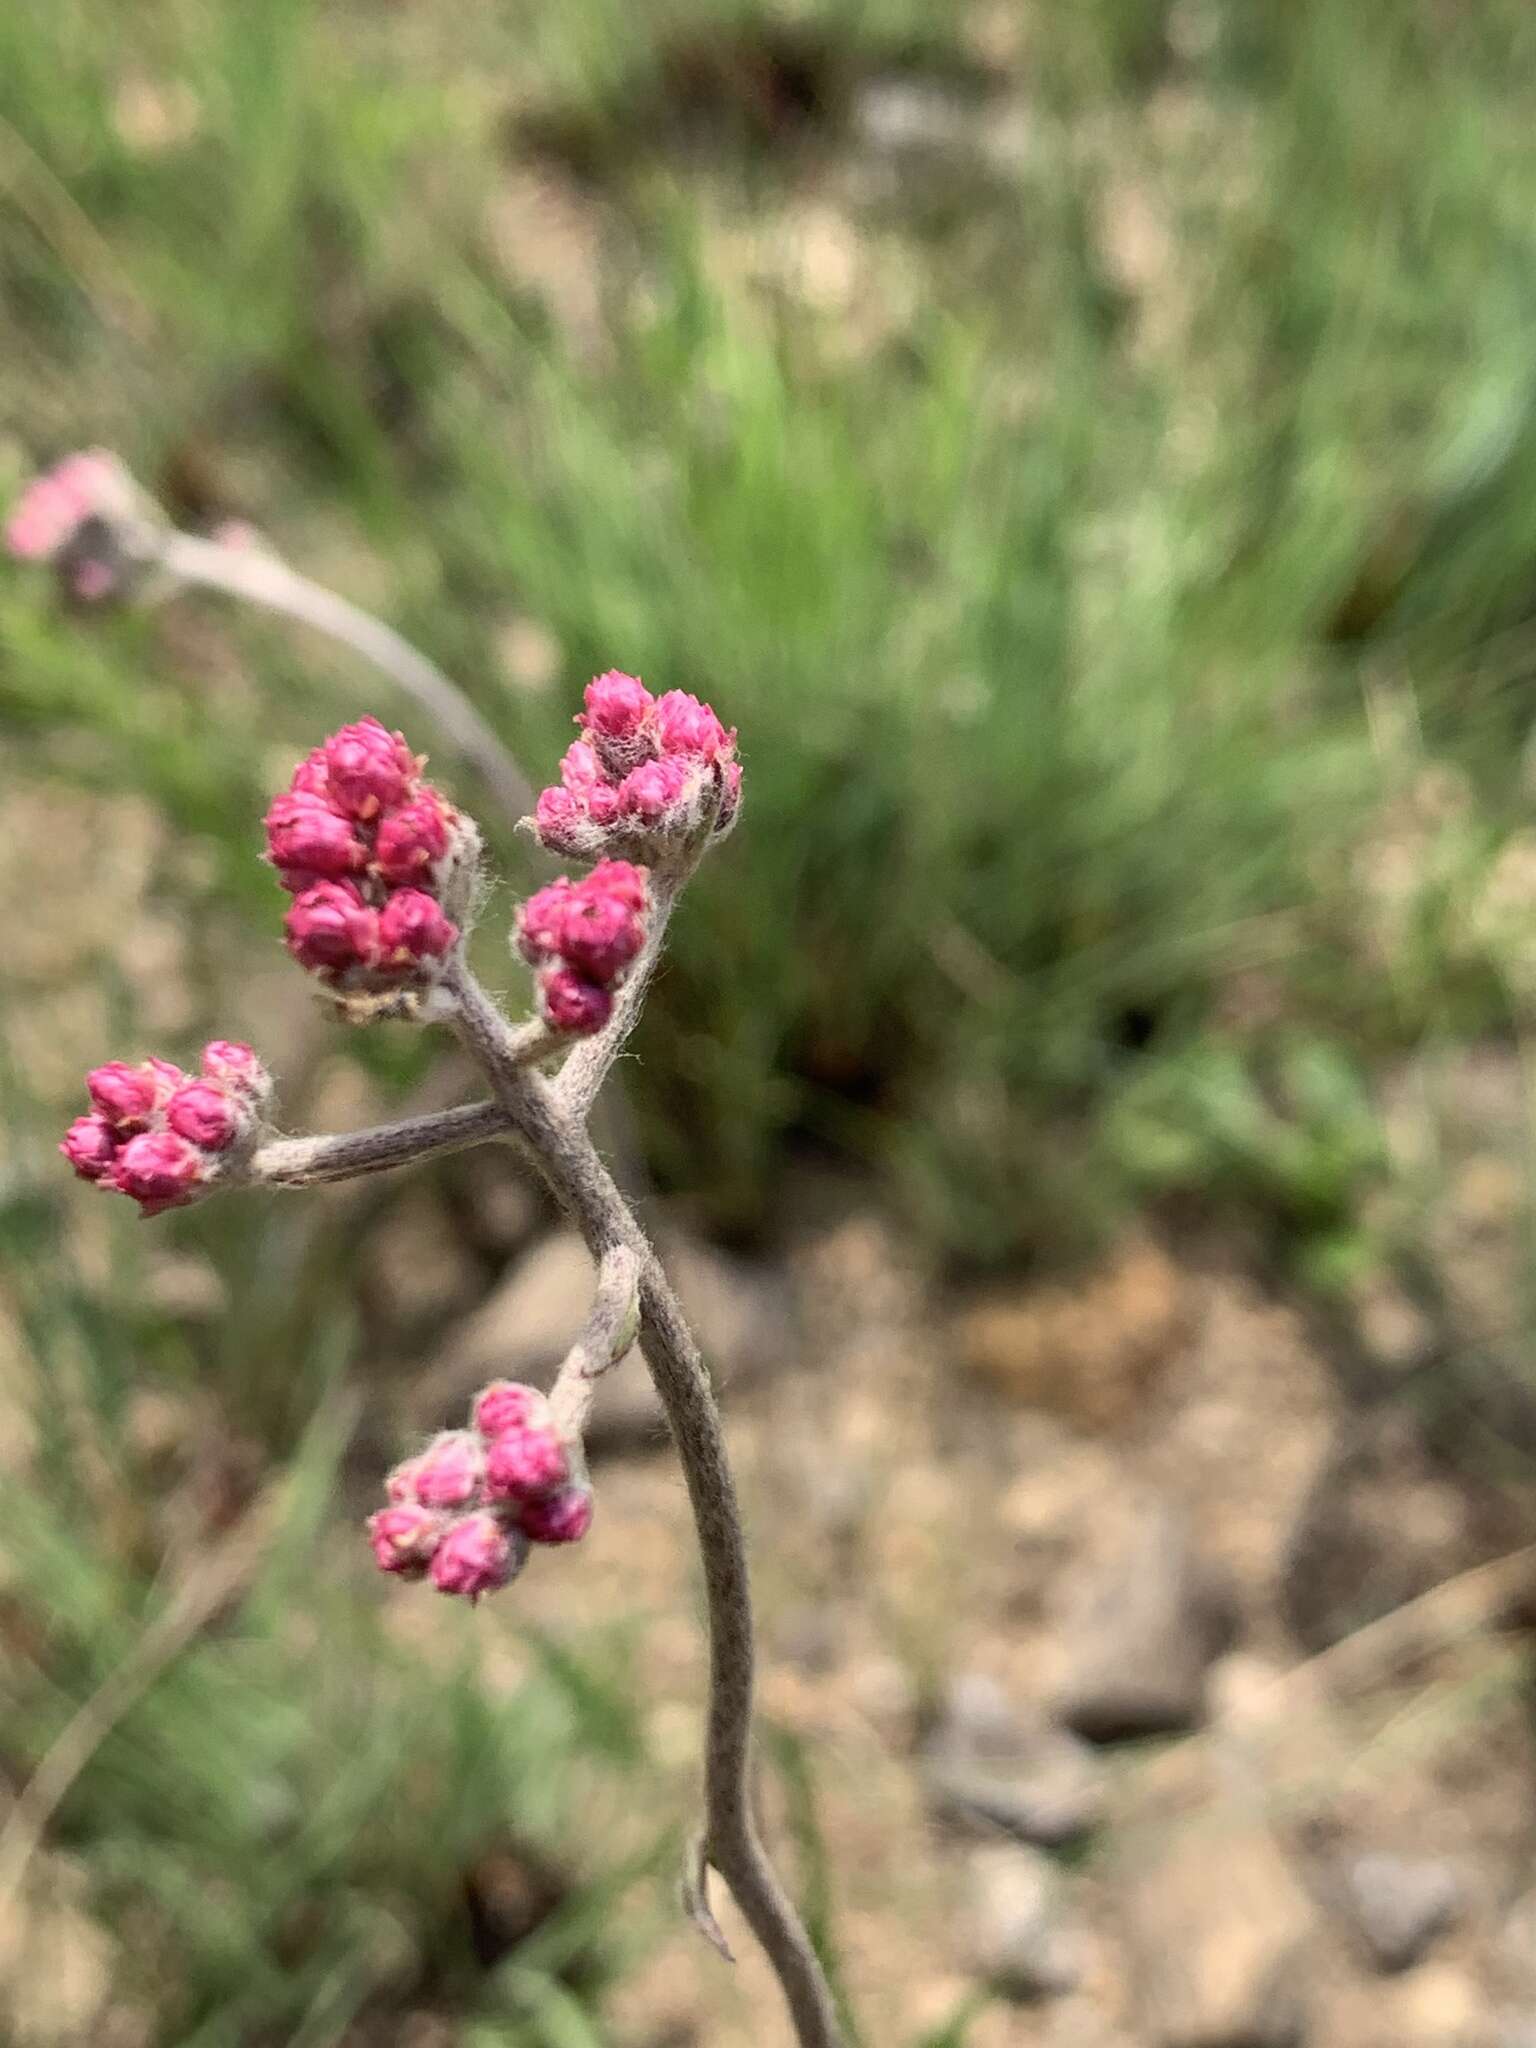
<point>728,1841</point>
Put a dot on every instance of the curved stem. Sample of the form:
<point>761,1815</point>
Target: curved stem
<point>265,579</point>
<point>560,1147</point>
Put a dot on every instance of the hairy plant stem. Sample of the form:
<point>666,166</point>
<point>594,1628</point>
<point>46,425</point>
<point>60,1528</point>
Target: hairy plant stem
<point>310,1162</point>
<point>728,1842</point>
<point>264,579</point>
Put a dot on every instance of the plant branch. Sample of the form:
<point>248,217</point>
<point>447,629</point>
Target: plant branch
<point>264,579</point>
<point>728,1841</point>
<point>344,1155</point>
<point>605,1338</point>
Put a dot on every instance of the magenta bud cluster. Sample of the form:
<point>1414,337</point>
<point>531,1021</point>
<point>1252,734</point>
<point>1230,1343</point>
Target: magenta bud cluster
<point>464,1511</point>
<point>161,1136</point>
<point>583,937</point>
<point>373,857</point>
<point>646,773</point>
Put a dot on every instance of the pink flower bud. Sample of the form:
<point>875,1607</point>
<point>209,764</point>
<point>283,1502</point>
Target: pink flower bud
<point>508,1404</point>
<point>404,1538</point>
<point>54,505</point>
<point>448,1472</point>
<point>90,1147</point>
<point>558,814</point>
<point>601,933</point>
<point>91,581</point>
<point>580,769</point>
<point>311,777</point>
<point>304,832</point>
<point>571,1003</point>
<point>563,1517</point>
<point>603,804</point>
<point>203,1115</point>
<point>651,790</point>
<point>367,768</point>
<point>476,1556</point>
<point>616,705</point>
<point>400,1485</point>
<point>413,927</point>
<point>229,1064</point>
<point>541,921</point>
<point>159,1170</point>
<point>411,838</point>
<point>621,880</point>
<point>127,1095</point>
<point>685,726</point>
<point>525,1462</point>
<point>331,928</point>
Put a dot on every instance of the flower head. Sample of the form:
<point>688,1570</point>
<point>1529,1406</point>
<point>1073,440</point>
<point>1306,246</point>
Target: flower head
<point>508,1404</point>
<point>563,1517</point>
<point>570,1003</point>
<point>204,1115</point>
<point>617,705</point>
<point>159,1170</point>
<point>411,838</point>
<point>330,928</point>
<point>307,835</point>
<point>524,1462</point>
<point>128,1096</point>
<point>90,1146</point>
<point>412,927</point>
<point>404,1538</point>
<point>449,1471</point>
<point>368,768</point>
<point>229,1064</point>
<point>476,1555</point>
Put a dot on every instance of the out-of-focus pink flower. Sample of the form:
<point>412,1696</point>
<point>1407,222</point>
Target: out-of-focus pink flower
<point>90,1146</point>
<point>524,1462</point>
<point>411,838</point>
<point>476,1556</point>
<point>204,1115</point>
<point>305,832</point>
<point>159,1171</point>
<point>330,928</point>
<point>403,1539</point>
<point>448,1472</point>
<point>413,927</point>
<point>368,768</point>
<point>508,1404</point>
<point>571,1003</point>
<point>53,507</point>
<point>563,1517</point>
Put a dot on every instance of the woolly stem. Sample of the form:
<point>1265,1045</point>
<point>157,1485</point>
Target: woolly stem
<point>727,1841</point>
<point>344,1155</point>
<point>264,579</point>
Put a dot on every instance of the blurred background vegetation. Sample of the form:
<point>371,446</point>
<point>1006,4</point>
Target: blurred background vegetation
<point>1089,451</point>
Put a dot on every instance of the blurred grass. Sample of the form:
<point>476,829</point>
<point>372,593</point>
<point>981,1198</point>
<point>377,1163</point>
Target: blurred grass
<point>1091,454</point>
<point>1041,557</point>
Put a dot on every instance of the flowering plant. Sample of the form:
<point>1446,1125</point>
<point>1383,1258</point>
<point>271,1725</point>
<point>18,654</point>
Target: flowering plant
<point>382,871</point>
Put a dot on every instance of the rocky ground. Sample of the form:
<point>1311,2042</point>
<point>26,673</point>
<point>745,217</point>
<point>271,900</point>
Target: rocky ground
<point>1155,1663</point>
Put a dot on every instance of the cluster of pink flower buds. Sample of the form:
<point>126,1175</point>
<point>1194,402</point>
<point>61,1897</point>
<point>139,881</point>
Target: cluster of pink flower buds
<point>583,937</point>
<point>464,1511</point>
<point>647,774</point>
<point>162,1136</point>
<point>375,859</point>
<point>76,516</point>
